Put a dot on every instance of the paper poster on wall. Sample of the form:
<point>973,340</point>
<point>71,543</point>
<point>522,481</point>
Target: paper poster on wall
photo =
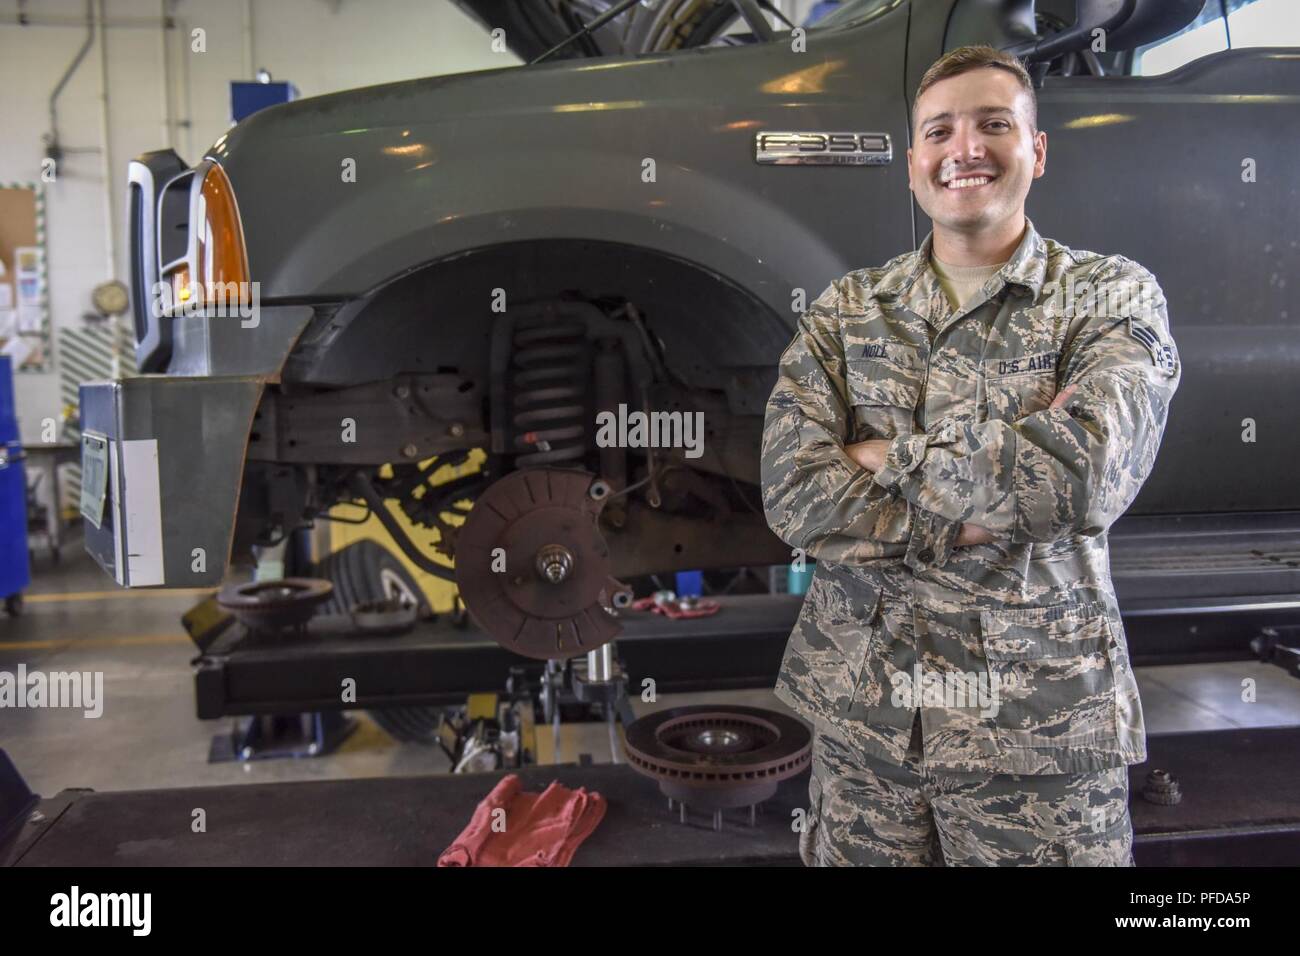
<point>24,295</point>
<point>18,351</point>
<point>31,319</point>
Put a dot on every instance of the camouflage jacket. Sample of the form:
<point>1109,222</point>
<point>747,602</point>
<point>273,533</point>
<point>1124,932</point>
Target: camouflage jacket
<point>1014,651</point>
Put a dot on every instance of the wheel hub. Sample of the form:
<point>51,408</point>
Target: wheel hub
<point>532,566</point>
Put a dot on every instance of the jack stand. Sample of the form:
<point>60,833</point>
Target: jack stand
<point>598,680</point>
<point>601,679</point>
<point>266,736</point>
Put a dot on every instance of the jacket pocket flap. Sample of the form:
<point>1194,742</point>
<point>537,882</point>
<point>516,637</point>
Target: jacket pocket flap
<point>838,596</point>
<point>1062,630</point>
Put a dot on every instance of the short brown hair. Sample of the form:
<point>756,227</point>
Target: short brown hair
<point>967,58</point>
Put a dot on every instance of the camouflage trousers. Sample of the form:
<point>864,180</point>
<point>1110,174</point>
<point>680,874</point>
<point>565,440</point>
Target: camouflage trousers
<point>866,811</point>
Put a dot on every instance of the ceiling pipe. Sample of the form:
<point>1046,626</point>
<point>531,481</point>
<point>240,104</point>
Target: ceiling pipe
<point>52,148</point>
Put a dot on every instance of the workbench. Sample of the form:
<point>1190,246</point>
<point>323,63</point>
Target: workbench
<point>1238,808</point>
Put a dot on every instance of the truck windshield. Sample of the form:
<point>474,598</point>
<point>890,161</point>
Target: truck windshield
<point>852,12</point>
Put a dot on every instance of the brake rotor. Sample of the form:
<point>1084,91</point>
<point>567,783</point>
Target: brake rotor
<point>717,757</point>
<point>275,605</point>
<point>532,566</point>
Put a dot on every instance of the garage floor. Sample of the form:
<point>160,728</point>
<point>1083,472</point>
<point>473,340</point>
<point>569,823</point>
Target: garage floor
<point>77,619</point>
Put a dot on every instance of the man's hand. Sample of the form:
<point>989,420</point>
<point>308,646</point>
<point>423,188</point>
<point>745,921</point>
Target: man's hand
<point>1063,396</point>
<point>869,454</point>
<point>972,534</point>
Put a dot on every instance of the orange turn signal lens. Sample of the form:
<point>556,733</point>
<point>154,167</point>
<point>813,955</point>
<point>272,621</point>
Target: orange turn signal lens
<point>221,260</point>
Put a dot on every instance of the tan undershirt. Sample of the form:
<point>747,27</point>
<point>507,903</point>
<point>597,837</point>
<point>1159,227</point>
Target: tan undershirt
<point>961,282</point>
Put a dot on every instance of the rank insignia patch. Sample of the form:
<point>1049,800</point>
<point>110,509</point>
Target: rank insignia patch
<point>1161,354</point>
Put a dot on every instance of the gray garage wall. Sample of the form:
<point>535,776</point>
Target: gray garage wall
<point>319,45</point>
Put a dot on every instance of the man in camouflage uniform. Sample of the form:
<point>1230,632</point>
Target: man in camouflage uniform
<point>953,470</point>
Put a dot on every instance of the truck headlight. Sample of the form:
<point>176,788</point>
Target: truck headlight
<point>214,268</point>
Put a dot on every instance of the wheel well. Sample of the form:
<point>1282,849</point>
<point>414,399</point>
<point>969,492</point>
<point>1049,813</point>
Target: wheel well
<point>440,316</point>
<point>714,349</point>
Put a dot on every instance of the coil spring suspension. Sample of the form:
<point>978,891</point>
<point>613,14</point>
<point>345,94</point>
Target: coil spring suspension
<point>549,372</point>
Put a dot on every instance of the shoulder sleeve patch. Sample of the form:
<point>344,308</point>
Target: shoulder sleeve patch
<point>1162,354</point>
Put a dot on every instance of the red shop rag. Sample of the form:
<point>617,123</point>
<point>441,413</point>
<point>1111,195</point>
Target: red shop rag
<point>532,829</point>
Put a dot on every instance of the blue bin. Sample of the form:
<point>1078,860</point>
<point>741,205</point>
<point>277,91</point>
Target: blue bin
<point>798,581</point>
<point>15,572</point>
<point>690,583</point>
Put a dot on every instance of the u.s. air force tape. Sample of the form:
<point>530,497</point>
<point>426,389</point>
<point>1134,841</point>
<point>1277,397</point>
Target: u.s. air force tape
<point>1161,354</point>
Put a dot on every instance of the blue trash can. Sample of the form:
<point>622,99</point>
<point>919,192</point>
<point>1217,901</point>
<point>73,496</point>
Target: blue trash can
<point>15,572</point>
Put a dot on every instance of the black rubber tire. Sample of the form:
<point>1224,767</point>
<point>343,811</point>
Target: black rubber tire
<point>367,571</point>
<point>14,604</point>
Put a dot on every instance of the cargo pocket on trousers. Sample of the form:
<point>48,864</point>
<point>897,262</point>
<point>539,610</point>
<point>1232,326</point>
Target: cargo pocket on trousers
<point>809,834</point>
<point>1051,674</point>
<point>1111,847</point>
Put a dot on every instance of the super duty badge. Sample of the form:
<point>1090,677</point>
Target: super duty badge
<point>822,149</point>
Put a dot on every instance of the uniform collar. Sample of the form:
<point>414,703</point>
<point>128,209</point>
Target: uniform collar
<point>1027,267</point>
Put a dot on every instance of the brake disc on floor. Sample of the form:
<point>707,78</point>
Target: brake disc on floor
<point>275,605</point>
<point>533,568</point>
<point>717,756</point>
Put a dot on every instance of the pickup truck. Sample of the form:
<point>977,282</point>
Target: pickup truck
<point>484,263</point>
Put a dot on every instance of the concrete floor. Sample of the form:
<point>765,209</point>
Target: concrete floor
<point>77,619</point>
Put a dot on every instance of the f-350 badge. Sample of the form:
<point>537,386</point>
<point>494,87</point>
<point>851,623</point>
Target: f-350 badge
<point>822,149</point>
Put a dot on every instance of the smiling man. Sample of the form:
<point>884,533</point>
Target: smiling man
<point>950,437</point>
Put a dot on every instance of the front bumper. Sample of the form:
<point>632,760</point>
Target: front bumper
<point>162,462</point>
<point>173,449</point>
<point>163,454</point>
